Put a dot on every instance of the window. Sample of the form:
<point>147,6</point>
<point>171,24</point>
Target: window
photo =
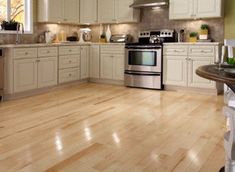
<point>18,10</point>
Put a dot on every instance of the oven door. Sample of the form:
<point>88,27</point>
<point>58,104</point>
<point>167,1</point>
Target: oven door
<point>146,60</point>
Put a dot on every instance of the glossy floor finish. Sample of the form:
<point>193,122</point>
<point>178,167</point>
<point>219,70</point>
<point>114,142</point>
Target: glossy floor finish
<point>92,128</point>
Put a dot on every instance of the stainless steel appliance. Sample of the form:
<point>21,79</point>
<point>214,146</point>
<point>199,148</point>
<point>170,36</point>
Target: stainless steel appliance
<point>143,60</point>
<point>1,73</point>
<point>120,38</point>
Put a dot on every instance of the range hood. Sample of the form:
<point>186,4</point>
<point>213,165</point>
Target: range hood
<point>149,3</point>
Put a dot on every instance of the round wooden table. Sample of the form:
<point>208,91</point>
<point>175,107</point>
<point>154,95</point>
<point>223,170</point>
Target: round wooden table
<point>216,73</point>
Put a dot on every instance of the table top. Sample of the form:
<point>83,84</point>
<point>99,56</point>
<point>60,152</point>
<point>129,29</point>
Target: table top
<point>213,72</point>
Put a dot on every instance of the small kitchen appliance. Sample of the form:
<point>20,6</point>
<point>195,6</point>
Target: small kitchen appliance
<point>121,38</point>
<point>143,59</point>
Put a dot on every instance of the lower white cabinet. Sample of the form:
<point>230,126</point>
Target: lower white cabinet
<point>84,62</point>
<point>35,72</point>
<point>25,74</point>
<point>47,72</point>
<point>180,64</point>
<point>175,70</point>
<point>94,61</point>
<point>112,62</point>
<point>106,66</point>
<point>193,79</point>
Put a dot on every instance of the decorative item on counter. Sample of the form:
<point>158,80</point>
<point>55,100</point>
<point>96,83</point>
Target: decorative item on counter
<point>48,37</point>
<point>82,32</point>
<point>102,38</point>
<point>193,37</point>
<point>181,35</point>
<point>108,34</point>
<point>63,36</point>
<point>73,37</point>
<point>9,25</point>
<point>204,31</point>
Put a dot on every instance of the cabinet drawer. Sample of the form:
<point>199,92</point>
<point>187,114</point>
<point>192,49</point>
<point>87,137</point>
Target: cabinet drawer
<point>110,49</point>
<point>67,75</point>
<point>47,52</point>
<point>69,61</point>
<point>66,50</point>
<point>176,50</point>
<point>201,50</point>
<point>20,53</point>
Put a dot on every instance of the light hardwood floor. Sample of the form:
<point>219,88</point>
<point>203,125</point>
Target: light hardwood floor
<point>92,128</point>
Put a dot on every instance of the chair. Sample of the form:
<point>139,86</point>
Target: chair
<point>229,139</point>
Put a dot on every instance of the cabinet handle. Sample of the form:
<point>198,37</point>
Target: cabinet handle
<point>70,75</point>
<point>70,50</point>
<point>26,53</point>
<point>70,61</point>
<point>37,61</point>
<point>48,52</point>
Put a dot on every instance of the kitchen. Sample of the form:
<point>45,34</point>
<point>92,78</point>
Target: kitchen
<point>65,106</point>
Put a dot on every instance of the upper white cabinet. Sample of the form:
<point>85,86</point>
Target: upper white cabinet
<point>64,11</point>
<point>111,11</point>
<point>192,9</point>
<point>106,11</point>
<point>88,11</point>
<point>124,13</point>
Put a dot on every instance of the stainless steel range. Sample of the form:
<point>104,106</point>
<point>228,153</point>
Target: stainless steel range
<point>143,60</point>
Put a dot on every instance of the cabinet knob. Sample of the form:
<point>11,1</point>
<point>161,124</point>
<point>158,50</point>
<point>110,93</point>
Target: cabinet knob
<point>70,75</point>
<point>26,53</point>
<point>48,52</point>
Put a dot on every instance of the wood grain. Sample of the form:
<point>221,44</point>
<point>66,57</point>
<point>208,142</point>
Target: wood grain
<point>95,127</point>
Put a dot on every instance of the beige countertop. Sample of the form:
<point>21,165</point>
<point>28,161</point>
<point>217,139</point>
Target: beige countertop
<point>192,43</point>
<point>55,44</point>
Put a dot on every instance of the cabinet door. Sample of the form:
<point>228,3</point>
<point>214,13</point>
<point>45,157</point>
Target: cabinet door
<point>208,8</point>
<point>181,9</point>
<point>175,70</point>
<point>124,13</point>
<point>106,66</point>
<point>47,72</point>
<point>84,62</point>
<point>25,75</point>
<point>71,11</point>
<point>193,79</point>
<point>55,10</point>
<point>88,11</point>
<point>94,61</point>
<point>106,11</point>
<point>118,67</point>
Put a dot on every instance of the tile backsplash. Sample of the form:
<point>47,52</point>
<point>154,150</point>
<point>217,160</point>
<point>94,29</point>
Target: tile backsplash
<point>150,20</point>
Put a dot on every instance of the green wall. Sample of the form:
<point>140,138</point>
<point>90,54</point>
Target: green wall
<point>229,19</point>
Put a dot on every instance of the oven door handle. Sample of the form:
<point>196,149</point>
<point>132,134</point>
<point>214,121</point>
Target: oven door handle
<point>154,50</point>
<point>142,73</point>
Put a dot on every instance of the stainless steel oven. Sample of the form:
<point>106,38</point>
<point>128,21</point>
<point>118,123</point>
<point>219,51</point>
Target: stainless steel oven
<point>143,66</point>
<point>146,59</point>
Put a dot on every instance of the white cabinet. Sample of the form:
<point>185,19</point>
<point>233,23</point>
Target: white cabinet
<point>69,63</point>
<point>64,11</point>
<point>84,62</point>
<point>111,11</point>
<point>106,11</point>
<point>25,74</point>
<point>118,66</point>
<point>193,79</point>
<point>181,62</point>
<point>208,8</point>
<point>181,9</point>
<point>112,62</point>
<point>106,71</point>
<point>124,13</point>
<point>47,72</point>
<point>94,61</point>
<point>88,11</point>
<point>192,9</point>
<point>175,70</point>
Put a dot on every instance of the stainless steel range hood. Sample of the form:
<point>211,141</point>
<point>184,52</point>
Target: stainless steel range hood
<point>149,3</point>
